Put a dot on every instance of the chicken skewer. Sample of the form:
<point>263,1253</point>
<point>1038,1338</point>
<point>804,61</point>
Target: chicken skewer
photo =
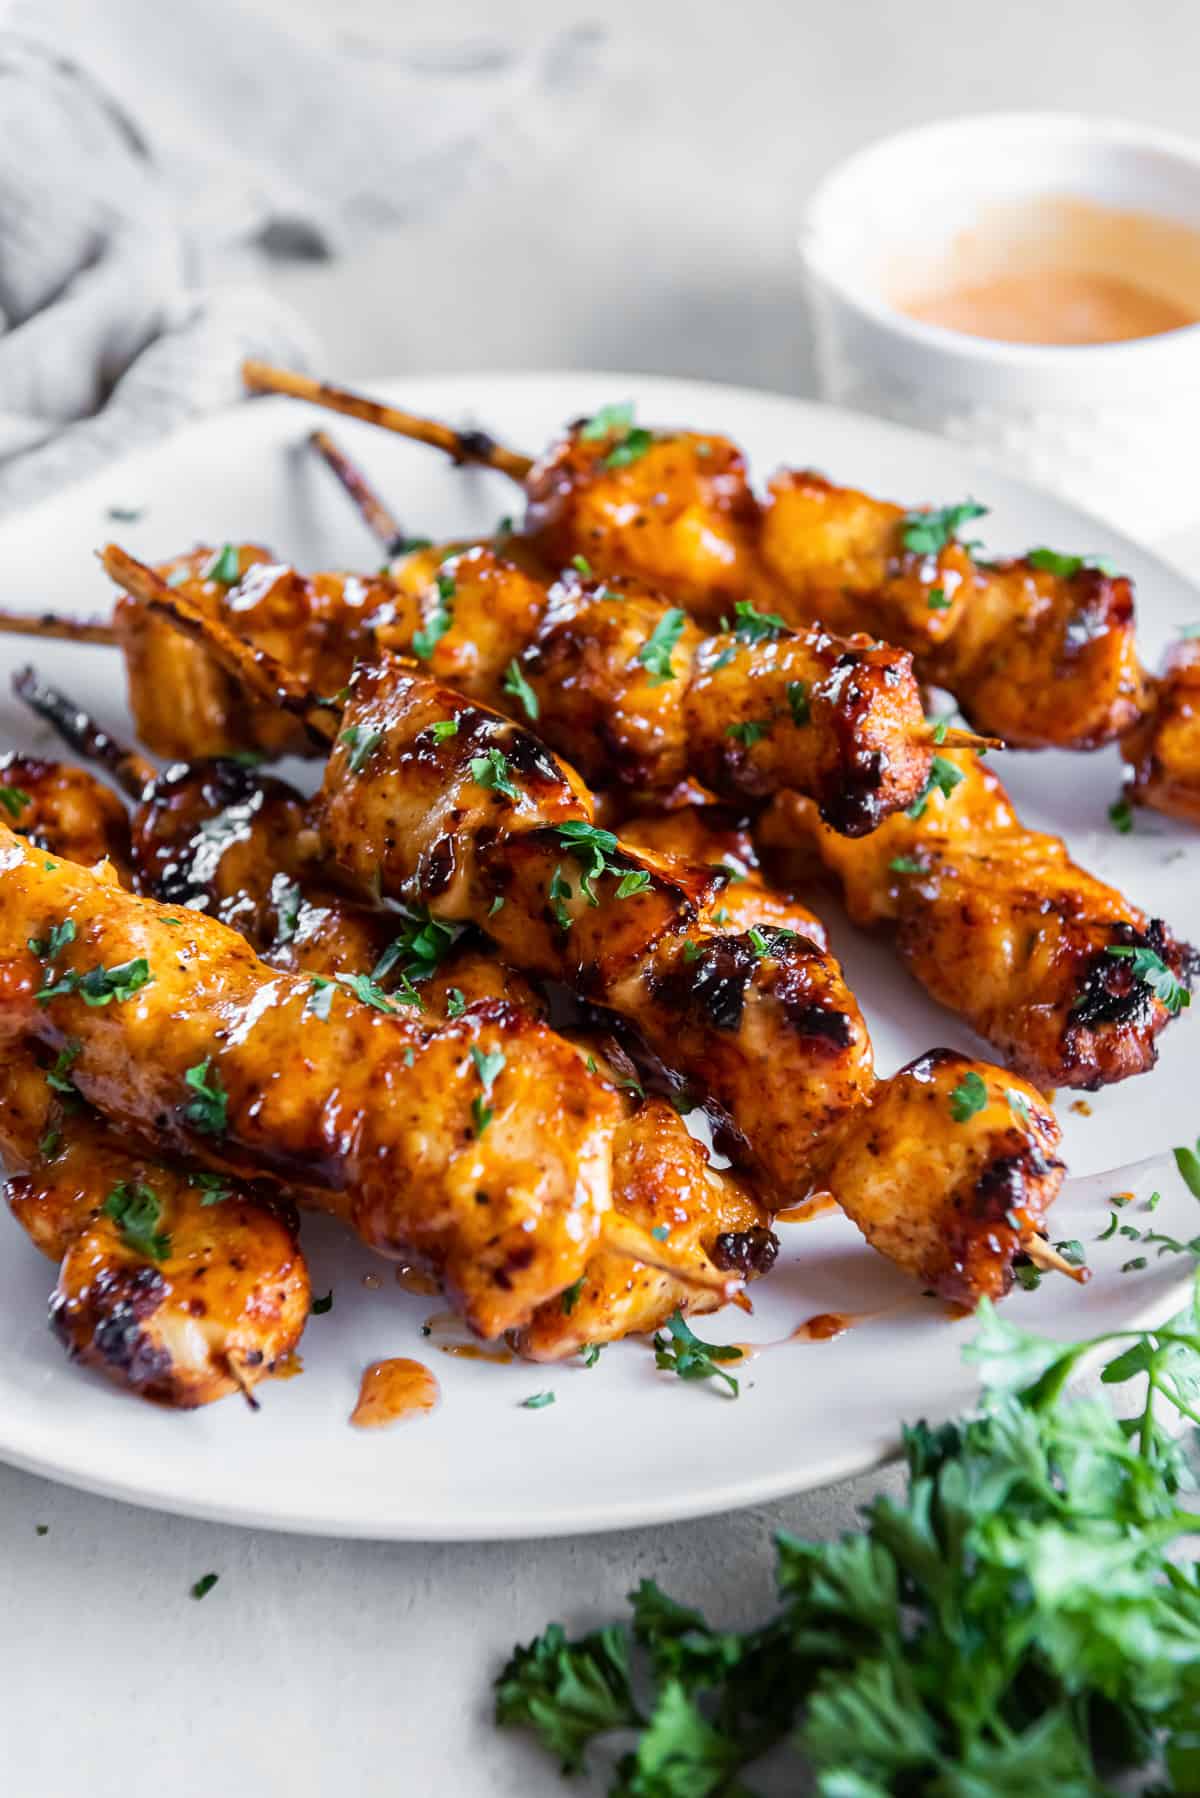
<point>431,1160</point>
<point>1164,750</point>
<point>432,800</point>
<point>619,681</point>
<point>235,842</point>
<point>184,1315</point>
<point>1059,971</point>
<point>1039,651</point>
<point>401,718</point>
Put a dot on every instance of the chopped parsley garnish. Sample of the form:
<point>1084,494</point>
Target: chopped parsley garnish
<point>1072,1252</point>
<point>592,846</point>
<point>456,1002</point>
<point>515,683</point>
<point>1188,1163</point>
<point>100,986</point>
<point>444,728</point>
<point>56,1076</point>
<point>655,653</point>
<point>420,948</point>
<point>368,992</point>
<point>488,1067</point>
<point>320,996</point>
<point>362,745</point>
<point>590,1353</point>
<point>582,566</point>
<point>928,533</point>
<point>288,902</point>
<point>426,640</point>
<point>490,770</point>
<point>537,1401</point>
<point>1120,816</point>
<point>754,626</point>
<point>207,1109</point>
<point>906,864</point>
<point>1051,562</point>
<point>215,1188</point>
<point>1019,1105</point>
<point>560,891</point>
<point>634,880</point>
<point>944,776</point>
<point>631,448</point>
<point>798,703</point>
<point>569,1297</point>
<point>937,601</point>
<point>767,939</point>
<point>684,1354</point>
<point>1152,971</point>
<point>14,800</point>
<point>204,1585</point>
<point>750,732</point>
<point>496,905</point>
<point>138,1213</point>
<point>617,417</point>
<point>59,936</point>
<point>968,1097</point>
<point>225,566</point>
<point>320,1307</point>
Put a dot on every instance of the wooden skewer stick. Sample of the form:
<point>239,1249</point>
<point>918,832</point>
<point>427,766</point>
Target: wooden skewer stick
<point>956,738</point>
<point>131,771</point>
<point>375,514</point>
<point>460,446</point>
<point>1050,1261</point>
<point>48,624</point>
<point>258,670</point>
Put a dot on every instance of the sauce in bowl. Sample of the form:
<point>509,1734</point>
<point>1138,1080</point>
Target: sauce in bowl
<point>1062,271</point>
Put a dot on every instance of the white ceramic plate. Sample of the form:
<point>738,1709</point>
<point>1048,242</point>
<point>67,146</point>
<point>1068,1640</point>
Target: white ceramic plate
<point>623,1444</point>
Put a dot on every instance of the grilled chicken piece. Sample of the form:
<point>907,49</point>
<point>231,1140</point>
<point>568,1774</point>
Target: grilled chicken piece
<point>1042,658</point>
<point>184,704</point>
<point>487,1159</point>
<point>1164,750</point>
<point>1058,971</point>
<point>229,1297</point>
<point>1042,655</point>
<point>620,682</point>
<point>975,1153</point>
<point>202,1294</point>
<point>64,810</point>
<point>481,824</point>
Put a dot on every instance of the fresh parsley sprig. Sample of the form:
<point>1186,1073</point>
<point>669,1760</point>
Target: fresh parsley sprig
<point>928,533</point>
<point>656,652</point>
<point>682,1352</point>
<point>1150,968</point>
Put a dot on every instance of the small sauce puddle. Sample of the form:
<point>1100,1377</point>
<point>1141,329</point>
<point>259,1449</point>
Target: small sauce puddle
<point>826,1326</point>
<point>439,1321</point>
<point>392,1390</point>
<point>820,1205</point>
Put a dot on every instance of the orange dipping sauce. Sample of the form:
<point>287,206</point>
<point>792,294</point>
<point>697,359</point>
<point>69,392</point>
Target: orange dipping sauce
<point>391,1390</point>
<point>1062,271</point>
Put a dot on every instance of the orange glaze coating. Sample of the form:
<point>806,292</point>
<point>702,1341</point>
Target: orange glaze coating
<point>733,1015</point>
<point>1164,750</point>
<point>327,1104</point>
<point>1002,927</point>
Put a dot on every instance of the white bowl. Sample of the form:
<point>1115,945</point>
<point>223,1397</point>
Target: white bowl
<point>1112,426</point>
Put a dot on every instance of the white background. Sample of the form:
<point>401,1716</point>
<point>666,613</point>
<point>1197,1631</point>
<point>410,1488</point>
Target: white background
<point>661,239</point>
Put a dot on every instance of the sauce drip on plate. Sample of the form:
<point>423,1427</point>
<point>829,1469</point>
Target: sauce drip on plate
<point>392,1390</point>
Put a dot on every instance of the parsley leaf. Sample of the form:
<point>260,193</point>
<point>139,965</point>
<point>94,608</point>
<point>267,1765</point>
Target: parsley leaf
<point>100,986</point>
<point>14,800</point>
<point>47,947</point>
<point>224,567</point>
<point>438,621</point>
<point>490,770</point>
<point>560,890</point>
<point>944,776</point>
<point>630,448</point>
<point>928,533</point>
<point>968,1097</point>
<point>215,1187</point>
<point>1051,562</point>
<point>368,992</point>
<point>320,1307</point>
<point>56,1076</point>
<point>752,731</point>
<point>568,1692</point>
<point>207,1110</point>
<point>655,653</point>
<point>138,1213</point>
<point>1120,816</point>
<point>488,1067</point>
<point>456,1002</point>
<point>362,745</point>
<point>320,996</point>
<point>515,683</point>
<point>444,728</point>
<point>1152,971</point>
<point>204,1585</point>
<point>582,566</point>
<point>537,1401</point>
<point>685,1354</point>
<point>798,703</point>
<point>569,1297</point>
<point>937,600</point>
<point>754,626</point>
<point>617,417</point>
